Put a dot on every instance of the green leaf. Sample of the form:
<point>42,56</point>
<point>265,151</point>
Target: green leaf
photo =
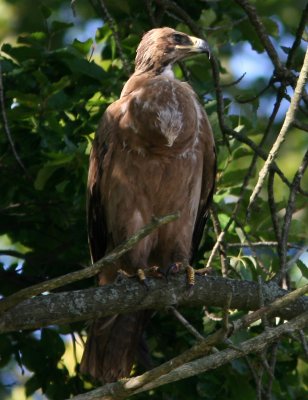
<point>59,85</point>
<point>21,53</point>
<point>42,177</point>
<point>84,67</point>
<point>303,268</point>
<point>45,11</point>
<point>32,385</point>
<point>59,26</point>
<point>83,47</point>
<point>57,161</point>
<point>35,39</point>
<point>53,344</point>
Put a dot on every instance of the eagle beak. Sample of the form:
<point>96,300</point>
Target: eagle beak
<point>199,46</point>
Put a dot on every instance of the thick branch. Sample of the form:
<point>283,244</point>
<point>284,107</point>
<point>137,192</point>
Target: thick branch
<point>93,270</point>
<point>62,308</point>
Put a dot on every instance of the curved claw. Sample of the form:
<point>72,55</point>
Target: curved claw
<point>142,278</point>
<point>174,268</point>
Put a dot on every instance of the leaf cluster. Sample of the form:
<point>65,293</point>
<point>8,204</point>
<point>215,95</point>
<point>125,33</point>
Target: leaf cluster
<point>53,96</point>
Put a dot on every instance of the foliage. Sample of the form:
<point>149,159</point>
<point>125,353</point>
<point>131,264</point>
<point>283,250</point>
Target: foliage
<point>54,94</point>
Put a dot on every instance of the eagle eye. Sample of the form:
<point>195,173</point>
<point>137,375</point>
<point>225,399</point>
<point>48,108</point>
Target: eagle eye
<point>182,40</point>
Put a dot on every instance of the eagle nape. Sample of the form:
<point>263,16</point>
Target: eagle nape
<point>153,153</point>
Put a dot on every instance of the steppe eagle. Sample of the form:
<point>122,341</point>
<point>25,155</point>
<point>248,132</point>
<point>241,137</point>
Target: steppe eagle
<point>153,154</point>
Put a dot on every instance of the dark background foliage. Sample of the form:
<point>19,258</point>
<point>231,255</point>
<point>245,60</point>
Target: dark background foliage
<point>55,89</point>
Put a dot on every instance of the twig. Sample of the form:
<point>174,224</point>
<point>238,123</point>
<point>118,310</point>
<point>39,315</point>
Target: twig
<point>289,212</point>
<point>222,246</point>
<point>256,96</point>
<point>304,342</point>
<point>296,256</point>
<point>274,214</point>
<point>151,13</point>
<point>269,309</point>
<point>113,27</point>
<point>146,382</point>
<point>225,85</point>
<point>254,253</point>
<point>262,244</point>
<point>262,34</point>
<point>261,300</point>
<point>7,128</point>
<point>300,125</point>
<point>281,137</point>
<point>172,5</point>
<point>272,365</point>
<point>73,7</point>
<point>185,323</point>
<point>298,36</point>
<point>88,272</point>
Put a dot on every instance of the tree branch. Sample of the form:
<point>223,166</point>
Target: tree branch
<point>66,307</point>
<point>282,134</point>
<point>122,389</point>
<point>88,272</point>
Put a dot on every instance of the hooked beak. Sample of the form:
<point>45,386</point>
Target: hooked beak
<point>197,46</point>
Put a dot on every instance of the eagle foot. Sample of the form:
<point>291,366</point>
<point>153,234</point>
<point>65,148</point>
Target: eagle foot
<point>142,277</point>
<point>204,271</point>
<point>121,274</point>
<point>190,272</point>
<point>154,272</point>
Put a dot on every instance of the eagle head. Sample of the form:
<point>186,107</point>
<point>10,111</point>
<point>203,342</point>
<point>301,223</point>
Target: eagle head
<point>160,48</point>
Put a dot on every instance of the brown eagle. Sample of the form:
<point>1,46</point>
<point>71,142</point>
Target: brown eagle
<point>153,154</point>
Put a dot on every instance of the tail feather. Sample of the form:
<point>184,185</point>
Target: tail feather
<point>112,345</point>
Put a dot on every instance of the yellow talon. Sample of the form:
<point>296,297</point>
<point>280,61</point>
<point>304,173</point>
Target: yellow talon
<point>141,274</point>
<point>190,275</point>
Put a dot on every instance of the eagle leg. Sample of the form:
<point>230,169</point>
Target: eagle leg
<point>142,277</point>
<point>121,275</point>
<point>150,272</point>
<point>190,272</point>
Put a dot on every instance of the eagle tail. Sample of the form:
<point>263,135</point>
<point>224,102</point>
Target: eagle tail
<point>113,344</point>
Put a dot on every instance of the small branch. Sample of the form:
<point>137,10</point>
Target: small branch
<point>73,7</point>
<point>88,272</point>
<point>225,85</point>
<point>304,343</point>
<point>298,36</point>
<point>113,27</point>
<point>281,137</point>
<point>271,309</point>
<point>274,213</point>
<point>256,22</point>
<point>151,13</point>
<point>222,246</point>
<point>263,244</point>
<point>7,128</point>
<point>256,96</point>
<point>289,212</point>
<point>201,365</point>
<point>300,125</point>
<point>185,323</point>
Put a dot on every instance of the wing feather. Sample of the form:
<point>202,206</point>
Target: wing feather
<point>208,184</point>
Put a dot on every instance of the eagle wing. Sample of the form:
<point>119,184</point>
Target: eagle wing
<point>208,183</point>
<point>96,219</point>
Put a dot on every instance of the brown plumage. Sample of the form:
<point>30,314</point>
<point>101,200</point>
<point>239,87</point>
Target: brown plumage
<point>153,154</point>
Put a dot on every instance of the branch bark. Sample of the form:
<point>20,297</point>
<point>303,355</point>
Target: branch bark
<point>109,259</point>
<point>66,307</point>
